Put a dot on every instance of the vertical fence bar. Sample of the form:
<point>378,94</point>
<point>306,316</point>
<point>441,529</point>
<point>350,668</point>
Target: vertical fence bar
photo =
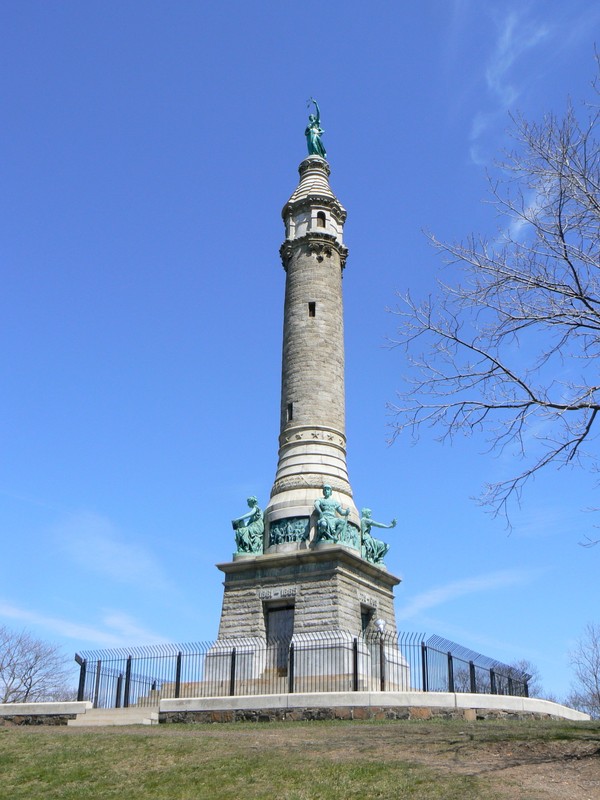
<point>355,665</point>
<point>291,670</point>
<point>472,678</point>
<point>381,664</point>
<point>97,684</point>
<point>127,683</point>
<point>450,672</point>
<point>178,675</point>
<point>232,673</point>
<point>118,692</point>
<point>82,670</point>
<point>493,682</point>
<point>424,670</point>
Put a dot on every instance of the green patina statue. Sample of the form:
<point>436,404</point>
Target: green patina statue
<point>374,550</point>
<point>314,131</point>
<point>249,529</point>
<point>330,527</point>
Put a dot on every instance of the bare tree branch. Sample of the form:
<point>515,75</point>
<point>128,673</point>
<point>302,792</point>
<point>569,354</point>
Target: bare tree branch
<point>30,669</point>
<point>509,349</point>
<point>585,660</point>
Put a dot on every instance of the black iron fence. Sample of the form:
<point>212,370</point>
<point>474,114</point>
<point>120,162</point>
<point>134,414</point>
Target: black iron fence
<point>316,662</point>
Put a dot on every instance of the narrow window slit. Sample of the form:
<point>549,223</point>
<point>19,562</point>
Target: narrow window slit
<point>290,412</point>
<point>312,308</point>
<point>320,219</point>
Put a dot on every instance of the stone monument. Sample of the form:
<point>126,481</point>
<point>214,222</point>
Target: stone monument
<point>317,571</point>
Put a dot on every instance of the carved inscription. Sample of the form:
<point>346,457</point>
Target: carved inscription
<point>367,600</point>
<point>277,593</point>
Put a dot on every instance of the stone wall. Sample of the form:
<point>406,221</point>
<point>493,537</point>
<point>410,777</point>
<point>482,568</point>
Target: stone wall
<point>35,719</point>
<point>364,705</point>
<point>41,713</point>
<point>345,713</point>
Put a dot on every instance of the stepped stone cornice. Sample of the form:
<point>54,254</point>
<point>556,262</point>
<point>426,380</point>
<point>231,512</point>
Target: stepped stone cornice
<point>317,242</point>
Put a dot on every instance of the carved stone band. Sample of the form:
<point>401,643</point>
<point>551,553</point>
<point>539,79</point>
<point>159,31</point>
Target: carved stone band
<point>309,481</point>
<point>326,435</point>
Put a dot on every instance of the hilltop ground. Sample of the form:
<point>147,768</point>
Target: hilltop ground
<point>485,760</point>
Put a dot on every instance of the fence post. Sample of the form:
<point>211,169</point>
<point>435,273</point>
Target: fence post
<point>355,665</point>
<point>472,678</point>
<point>97,684</point>
<point>127,683</point>
<point>291,670</point>
<point>381,664</point>
<point>450,672</point>
<point>178,675</point>
<point>232,673</point>
<point>493,682</point>
<point>82,670</point>
<point>424,670</point>
<point>118,692</point>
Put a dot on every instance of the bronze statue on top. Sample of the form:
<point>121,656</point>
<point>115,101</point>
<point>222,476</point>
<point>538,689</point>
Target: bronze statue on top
<point>314,131</point>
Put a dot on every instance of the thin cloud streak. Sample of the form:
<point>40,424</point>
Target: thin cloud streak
<point>481,583</point>
<point>94,543</point>
<point>125,630</point>
<point>516,36</point>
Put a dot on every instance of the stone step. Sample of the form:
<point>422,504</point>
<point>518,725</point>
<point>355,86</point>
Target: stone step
<point>116,716</point>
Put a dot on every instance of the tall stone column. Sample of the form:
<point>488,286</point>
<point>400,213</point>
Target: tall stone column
<point>312,441</point>
<point>315,592</point>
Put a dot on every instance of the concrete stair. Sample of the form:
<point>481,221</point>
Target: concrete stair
<point>116,716</point>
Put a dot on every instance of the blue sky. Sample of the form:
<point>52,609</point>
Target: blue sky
<point>148,148</point>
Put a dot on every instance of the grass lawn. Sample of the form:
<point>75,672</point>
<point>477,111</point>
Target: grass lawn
<point>295,761</point>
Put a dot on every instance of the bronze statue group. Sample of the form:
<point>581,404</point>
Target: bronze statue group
<point>331,526</point>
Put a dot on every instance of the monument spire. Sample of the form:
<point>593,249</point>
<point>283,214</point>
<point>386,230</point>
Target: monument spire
<point>308,565</point>
<point>312,441</point>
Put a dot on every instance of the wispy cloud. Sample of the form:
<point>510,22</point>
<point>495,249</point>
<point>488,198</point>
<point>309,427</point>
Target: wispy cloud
<point>552,520</point>
<point>95,543</point>
<point>451,591</point>
<point>516,35</point>
<point>115,629</point>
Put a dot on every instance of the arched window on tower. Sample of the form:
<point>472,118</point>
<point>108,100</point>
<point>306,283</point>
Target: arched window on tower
<point>321,219</point>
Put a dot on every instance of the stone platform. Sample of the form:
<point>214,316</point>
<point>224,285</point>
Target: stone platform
<point>280,707</point>
<point>329,588</point>
<point>362,705</point>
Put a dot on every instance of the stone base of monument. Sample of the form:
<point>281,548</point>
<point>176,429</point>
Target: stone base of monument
<point>332,661</point>
<point>305,620</point>
<point>322,589</point>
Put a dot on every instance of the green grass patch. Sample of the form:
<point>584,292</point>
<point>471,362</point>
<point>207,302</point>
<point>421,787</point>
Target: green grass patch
<point>284,761</point>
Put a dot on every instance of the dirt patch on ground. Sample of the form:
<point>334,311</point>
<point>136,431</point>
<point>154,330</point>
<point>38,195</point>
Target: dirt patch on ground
<point>521,760</point>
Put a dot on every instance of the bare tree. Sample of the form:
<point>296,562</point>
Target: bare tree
<point>30,670</point>
<point>524,670</point>
<point>585,660</point>
<point>510,348</point>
